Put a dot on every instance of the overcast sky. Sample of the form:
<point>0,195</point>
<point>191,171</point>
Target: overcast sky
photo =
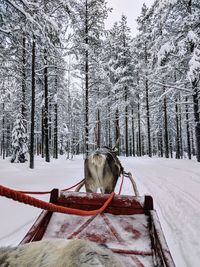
<point>130,8</point>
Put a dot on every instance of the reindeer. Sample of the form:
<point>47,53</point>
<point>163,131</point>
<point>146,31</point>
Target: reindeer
<point>102,169</point>
<point>58,252</point>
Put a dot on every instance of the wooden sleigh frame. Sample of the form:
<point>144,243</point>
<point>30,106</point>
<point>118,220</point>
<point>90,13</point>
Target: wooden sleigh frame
<point>128,207</point>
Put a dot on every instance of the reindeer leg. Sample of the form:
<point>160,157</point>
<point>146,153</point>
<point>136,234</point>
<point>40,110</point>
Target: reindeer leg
<point>102,190</point>
<point>90,185</point>
<point>91,188</point>
<point>108,190</point>
<point>111,186</point>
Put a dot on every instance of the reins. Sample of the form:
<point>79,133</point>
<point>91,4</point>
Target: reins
<point>23,198</point>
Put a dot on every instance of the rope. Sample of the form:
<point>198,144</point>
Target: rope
<point>21,197</point>
<point>34,192</point>
<point>120,189</point>
<point>73,186</point>
<point>47,192</point>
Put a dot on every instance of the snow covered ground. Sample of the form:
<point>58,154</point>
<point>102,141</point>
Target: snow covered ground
<point>174,185</point>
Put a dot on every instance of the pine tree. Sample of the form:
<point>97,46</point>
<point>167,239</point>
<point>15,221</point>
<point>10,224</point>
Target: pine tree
<point>19,141</point>
<point>120,72</point>
<point>145,32</point>
<point>88,24</point>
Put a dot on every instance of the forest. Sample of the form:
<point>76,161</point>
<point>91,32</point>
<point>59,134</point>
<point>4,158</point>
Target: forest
<point>68,85</point>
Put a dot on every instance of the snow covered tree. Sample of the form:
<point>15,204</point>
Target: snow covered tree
<point>143,92</point>
<point>119,68</point>
<point>30,28</point>
<point>19,141</point>
<point>144,45</point>
<point>179,52</point>
<point>88,25</point>
<point>125,72</point>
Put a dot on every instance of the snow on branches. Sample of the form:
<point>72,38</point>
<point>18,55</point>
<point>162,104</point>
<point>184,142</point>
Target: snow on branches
<point>19,141</point>
<point>194,65</point>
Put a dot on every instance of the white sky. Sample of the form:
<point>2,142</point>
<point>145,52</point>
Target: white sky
<point>130,8</point>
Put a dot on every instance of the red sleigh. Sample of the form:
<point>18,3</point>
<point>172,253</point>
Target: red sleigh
<point>129,226</point>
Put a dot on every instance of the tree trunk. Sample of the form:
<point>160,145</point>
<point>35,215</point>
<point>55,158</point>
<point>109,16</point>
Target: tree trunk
<point>98,129</point>
<point>8,138</point>
<point>32,108</point>
<point>143,144</point>
<point>190,6</point>
<point>133,133</point>
<point>38,140</point>
<point>24,82</point>
<point>117,133</point>
<point>46,109</point>
<point>42,131</point>
<point>147,104</point>
<point>3,133</point>
<point>86,82</point>
<point>109,134</point>
<point>126,123</point>
<point>196,119</point>
<point>180,130</point>
<point>130,146</point>
<point>139,152</point>
<point>160,143</point>
<point>188,130</point>
<point>177,132</point>
<point>154,144</point>
<point>166,126</point>
<point>148,119</point>
<point>50,127</point>
<point>193,146</point>
<point>55,143</point>
<point>170,147</point>
<point>108,131</point>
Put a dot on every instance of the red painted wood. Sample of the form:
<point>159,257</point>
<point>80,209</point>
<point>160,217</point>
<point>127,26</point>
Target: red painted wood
<point>89,201</point>
<point>38,229</point>
<point>112,228</point>
<point>148,204</point>
<point>118,232</point>
<point>159,243</point>
<point>82,227</point>
<point>137,261</point>
<point>132,252</point>
<point>39,226</point>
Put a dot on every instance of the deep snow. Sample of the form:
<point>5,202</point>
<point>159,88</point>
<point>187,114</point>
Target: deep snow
<point>174,185</point>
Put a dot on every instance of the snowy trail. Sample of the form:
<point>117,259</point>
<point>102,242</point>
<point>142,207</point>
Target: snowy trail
<point>17,218</point>
<point>174,185</point>
<point>177,200</point>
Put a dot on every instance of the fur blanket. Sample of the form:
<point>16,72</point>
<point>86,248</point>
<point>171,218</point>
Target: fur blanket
<point>58,253</point>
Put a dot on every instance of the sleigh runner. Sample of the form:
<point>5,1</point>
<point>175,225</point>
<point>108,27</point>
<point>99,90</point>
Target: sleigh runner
<point>129,226</point>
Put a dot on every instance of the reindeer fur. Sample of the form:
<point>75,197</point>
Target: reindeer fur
<point>58,253</point>
<point>102,169</point>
